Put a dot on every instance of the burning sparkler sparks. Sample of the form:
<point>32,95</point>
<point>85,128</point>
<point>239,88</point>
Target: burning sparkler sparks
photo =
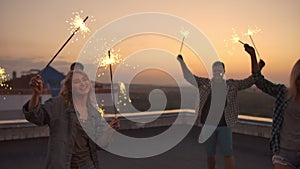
<point>123,98</point>
<point>250,32</point>
<point>111,58</point>
<point>4,77</point>
<point>78,24</point>
<point>185,34</point>
<point>235,38</point>
<point>123,92</point>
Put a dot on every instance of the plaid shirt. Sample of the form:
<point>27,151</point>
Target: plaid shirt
<point>278,91</point>
<point>232,87</point>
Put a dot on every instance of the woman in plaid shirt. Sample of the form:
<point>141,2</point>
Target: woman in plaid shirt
<point>285,136</point>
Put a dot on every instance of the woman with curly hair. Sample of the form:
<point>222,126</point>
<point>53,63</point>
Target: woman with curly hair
<point>76,127</point>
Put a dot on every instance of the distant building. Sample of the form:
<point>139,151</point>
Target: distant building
<point>19,92</point>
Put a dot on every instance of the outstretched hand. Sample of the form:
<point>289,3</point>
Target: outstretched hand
<point>249,49</point>
<point>36,84</point>
<point>179,57</point>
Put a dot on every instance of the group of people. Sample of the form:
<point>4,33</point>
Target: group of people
<point>285,135</point>
<point>76,127</point>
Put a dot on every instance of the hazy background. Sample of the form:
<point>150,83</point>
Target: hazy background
<point>32,31</point>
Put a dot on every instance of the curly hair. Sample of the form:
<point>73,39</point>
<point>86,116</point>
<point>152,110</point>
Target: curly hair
<point>66,91</point>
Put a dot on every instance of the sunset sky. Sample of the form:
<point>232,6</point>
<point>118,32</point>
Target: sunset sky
<point>32,31</point>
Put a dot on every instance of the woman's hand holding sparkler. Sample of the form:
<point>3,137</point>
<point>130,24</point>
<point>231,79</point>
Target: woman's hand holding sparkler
<point>256,67</point>
<point>249,49</point>
<point>36,84</point>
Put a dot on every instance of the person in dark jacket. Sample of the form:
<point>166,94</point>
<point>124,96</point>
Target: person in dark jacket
<point>76,127</point>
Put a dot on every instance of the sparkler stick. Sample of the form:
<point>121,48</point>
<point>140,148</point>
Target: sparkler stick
<point>112,83</point>
<point>77,28</point>
<point>250,33</point>
<point>181,45</point>
<point>254,46</point>
<point>241,42</point>
<point>185,33</point>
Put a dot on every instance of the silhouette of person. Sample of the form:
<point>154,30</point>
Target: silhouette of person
<point>223,133</point>
<point>76,65</point>
<point>285,135</point>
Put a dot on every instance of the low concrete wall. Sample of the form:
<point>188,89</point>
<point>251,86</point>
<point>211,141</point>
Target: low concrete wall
<point>253,129</point>
<point>25,130</point>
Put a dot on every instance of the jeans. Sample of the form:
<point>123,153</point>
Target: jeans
<point>222,136</point>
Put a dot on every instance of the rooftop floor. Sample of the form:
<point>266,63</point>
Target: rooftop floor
<point>250,153</point>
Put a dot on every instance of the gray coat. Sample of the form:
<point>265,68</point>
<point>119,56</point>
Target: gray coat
<point>62,126</point>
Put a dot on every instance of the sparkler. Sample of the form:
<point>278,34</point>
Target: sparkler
<point>77,24</point>
<point>3,78</point>
<point>184,33</point>
<point>110,59</point>
<point>250,33</point>
<point>235,38</point>
<point>110,62</point>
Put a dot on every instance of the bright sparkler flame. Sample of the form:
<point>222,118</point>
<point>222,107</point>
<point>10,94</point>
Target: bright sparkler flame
<point>185,33</point>
<point>77,24</point>
<point>113,59</point>
<point>250,32</point>
<point>235,38</point>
